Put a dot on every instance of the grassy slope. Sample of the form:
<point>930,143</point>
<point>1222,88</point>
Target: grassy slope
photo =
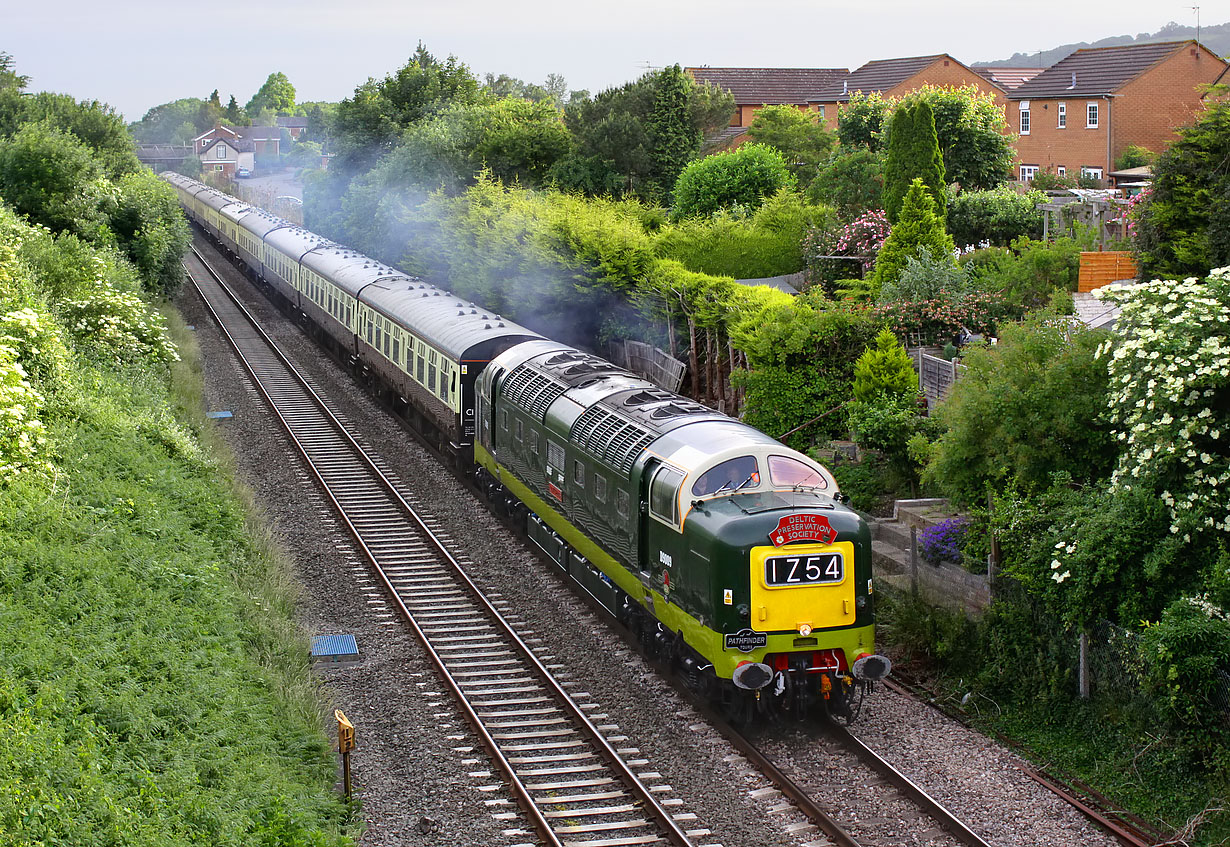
<point>153,686</point>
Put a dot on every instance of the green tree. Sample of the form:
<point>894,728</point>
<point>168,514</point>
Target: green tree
<point>917,227</point>
<point>151,230</point>
<point>884,370</point>
<point>972,134</point>
<point>160,124</point>
<point>277,94</point>
<point>673,139</point>
<point>997,216</point>
<point>94,123</point>
<point>852,181</point>
<point>1032,406</point>
<point>1134,156</point>
<point>10,80</point>
<point>612,138</point>
<point>744,177</point>
<point>862,121</point>
<point>53,179</point>
<point>913,153</point>
<point>1184,226</point>
<point>514,140</point>
<point>232,112</point>
<point>370,123</point>
<point>796,134</point>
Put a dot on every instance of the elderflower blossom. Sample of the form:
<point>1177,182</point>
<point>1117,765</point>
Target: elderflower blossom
<point>1169,382</point>
<point>22,435</point>
<point>120,327</point>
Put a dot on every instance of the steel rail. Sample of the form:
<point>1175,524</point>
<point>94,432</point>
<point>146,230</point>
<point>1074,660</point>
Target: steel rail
<point>938,812</point>
<point>663,819</point>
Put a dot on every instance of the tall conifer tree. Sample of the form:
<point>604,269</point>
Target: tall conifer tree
<point>917,226</point>
<point>673,137</point>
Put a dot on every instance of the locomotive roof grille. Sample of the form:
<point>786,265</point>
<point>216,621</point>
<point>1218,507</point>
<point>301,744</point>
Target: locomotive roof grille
<point>613,439</point>
<point>532,390</point>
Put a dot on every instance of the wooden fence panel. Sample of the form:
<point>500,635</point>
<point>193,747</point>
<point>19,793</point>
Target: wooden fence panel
<point>1098,269</point>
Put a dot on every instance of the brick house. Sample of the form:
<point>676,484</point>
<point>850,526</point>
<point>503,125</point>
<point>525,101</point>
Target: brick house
<point>896,78</point>
<point>753,88</point>
<point>266,140</point>
<point>227,156</point>
<point>1006,78</point>
<point>1077,116</point>
<point>295,126</point>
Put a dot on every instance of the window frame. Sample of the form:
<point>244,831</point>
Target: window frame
<point>1028,172</point>
<point>1024,123</point>
<point>1091,111</point>
<point>1061,115</point>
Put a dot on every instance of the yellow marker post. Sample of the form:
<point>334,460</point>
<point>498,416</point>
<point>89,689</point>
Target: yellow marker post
<point>345,743</point>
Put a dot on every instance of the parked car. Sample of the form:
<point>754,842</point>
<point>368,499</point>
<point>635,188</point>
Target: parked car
<point>243,173</point>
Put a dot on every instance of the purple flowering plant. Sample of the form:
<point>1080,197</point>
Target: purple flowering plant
<point>944,541</point>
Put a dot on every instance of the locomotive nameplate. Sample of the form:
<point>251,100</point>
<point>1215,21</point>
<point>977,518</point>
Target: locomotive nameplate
<point>745,641</point>
<point>805,527</point>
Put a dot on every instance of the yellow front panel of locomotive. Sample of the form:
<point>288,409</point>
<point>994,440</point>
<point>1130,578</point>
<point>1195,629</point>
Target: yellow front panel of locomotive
<point>793,603</point>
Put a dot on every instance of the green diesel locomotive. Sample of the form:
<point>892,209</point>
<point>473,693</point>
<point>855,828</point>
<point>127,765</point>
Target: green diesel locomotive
<point>726,552</point>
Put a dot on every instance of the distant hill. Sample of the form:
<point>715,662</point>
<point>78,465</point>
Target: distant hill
<point>1216,38</point>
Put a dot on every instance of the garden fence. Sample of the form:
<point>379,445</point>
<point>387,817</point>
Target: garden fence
<point>657,366</point>
<point>935,374</point>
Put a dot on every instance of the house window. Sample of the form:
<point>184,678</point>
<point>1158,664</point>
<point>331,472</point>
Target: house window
<point>221,151</point>
<point>217,167</point>
<point>1024,117</point>
<point>820,111</point>
<point>1091,173</point>
<point>1061,171</point>
<point>1091,121</point>
<point>1028,172</point>
<point>1062,112</point>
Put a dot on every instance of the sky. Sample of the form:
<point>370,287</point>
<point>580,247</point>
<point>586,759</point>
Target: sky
<point>136,55</point>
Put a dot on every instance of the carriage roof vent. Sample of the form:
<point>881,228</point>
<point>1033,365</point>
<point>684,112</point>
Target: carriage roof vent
<point>486,326</point>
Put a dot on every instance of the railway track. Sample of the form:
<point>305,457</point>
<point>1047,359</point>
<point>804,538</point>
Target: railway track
<point>574,786</point>
<point>555,758</point>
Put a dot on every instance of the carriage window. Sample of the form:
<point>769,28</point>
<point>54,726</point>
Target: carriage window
<point>600,488</point>
<point>396,347</point>
<point>555,455</point>
<point>431,378</point>
<point>663,494</point>
<point>444,384</point>
<point>621,503</point>
<point>784,470</point>
<point>578,473</point>
<point>731,475</point>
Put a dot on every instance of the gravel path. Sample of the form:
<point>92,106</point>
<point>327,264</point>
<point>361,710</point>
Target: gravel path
<point>414,770</point>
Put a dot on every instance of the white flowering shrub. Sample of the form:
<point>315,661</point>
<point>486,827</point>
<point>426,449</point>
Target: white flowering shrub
<point>119,327</point>
<point>35,339</point>
<point>22,435</point>
<point>1169,367</point>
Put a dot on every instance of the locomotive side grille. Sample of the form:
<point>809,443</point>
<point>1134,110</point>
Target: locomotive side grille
<point>532,390</point>
<point>615,440</point>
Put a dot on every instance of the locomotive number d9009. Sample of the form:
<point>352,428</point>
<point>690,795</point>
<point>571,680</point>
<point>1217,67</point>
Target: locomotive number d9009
<point>804,570</point>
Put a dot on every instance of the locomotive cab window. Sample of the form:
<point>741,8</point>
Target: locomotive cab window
<point>729,476</point>
<point>664,494</point>
<point>784,470</point>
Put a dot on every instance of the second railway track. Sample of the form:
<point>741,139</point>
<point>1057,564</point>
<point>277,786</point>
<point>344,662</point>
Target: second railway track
<point>573,785</point>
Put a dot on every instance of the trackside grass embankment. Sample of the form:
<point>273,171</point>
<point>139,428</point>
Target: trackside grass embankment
<point>154,688</point>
